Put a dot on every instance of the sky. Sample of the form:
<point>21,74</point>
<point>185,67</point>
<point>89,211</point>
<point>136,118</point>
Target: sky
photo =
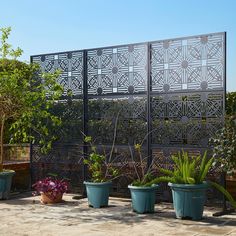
<point>45,26</point>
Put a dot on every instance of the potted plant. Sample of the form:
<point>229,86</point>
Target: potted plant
<point>143,191</point>
<point>51,189</point>
<point>188,183</point>
<point>102,173</point>
<point>25,104</point>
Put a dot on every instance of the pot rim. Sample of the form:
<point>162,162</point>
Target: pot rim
<point>7,172</point>
<point>156,186</point>
<point>97,183</point>
<point>189,186</point>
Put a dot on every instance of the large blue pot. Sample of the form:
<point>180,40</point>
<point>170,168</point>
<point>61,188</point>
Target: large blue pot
<point>98,193</point>
<point>143,198</point>
<point>5,183</point>
<point>189,199</point>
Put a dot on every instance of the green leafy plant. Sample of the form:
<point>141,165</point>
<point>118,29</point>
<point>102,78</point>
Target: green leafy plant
<point>224,146</point>
<point>144,175</point>
<point>100,168</point>
<point>25,100</point>
<point>230,103</point>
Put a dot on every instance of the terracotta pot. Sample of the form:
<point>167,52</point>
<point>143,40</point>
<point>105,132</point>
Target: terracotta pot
<point>47,198</point>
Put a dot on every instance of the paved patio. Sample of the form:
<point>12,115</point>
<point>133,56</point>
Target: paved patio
<point>27,216</point>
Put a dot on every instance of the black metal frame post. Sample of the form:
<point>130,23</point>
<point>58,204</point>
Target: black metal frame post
<point>149,135</point>
<point>85,115</point>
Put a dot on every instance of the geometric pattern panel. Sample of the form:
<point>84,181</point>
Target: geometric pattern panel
<point>194,63</point>
<point>64,160</point>
<point>125,107</point>
<point>131,113</point>
<point>185,106</point>
<point>121,69</point>
<point>191,133</point>
<point>71,114</point>
<point>187,94</point>
<point>71,66</point>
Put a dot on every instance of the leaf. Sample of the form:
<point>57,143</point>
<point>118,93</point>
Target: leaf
<point>225,192</point>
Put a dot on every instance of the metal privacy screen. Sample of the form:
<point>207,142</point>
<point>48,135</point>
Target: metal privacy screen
<point>171,93</point>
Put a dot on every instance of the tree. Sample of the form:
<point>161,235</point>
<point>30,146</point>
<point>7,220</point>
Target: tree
<point>26,100</point>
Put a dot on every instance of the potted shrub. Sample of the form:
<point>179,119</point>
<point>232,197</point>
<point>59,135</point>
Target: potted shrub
<point>188,183</point>
<point>102,173</point>
<point>51,189</point>
<point>143,191</point>
<point>224,147</point>
<point>25,104</point>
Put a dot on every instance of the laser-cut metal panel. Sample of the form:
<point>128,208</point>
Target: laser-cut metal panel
<point>121,69</point>
<point>186,106</point>
<point>65,160</point>
<point>194,63</point>
<point>71,114</point>
<point>186,92</point>
<point>71,66</point>
<point>131,113</point>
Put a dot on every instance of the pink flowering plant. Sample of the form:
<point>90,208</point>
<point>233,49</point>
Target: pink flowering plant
<point>52,187</point>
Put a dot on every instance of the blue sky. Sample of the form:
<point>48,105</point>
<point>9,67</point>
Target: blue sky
<point>43,26</point>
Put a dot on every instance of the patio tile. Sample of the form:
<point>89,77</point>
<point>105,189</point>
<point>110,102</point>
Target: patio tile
<point>26,216</point>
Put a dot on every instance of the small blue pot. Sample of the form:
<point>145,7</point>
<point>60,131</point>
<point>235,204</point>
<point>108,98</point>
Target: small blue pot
<point>5,183</point>
<point>143,198</point>
<point>98,193</point>
<point>189,199</point>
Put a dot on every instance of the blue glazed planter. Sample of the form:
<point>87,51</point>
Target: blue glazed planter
<point>143,198</point>
<point>98,193</point>
<point>189,199</point>
<point>5,183</point>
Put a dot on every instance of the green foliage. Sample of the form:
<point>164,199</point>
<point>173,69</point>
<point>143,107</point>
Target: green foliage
<point>231,103</point>
<point>225,192</point>
<point>144,176</point>
<point>100,169</point>
<point>146,180</point>
<point>187,170</point>
<point>26,100</point>
<point>224,146</point>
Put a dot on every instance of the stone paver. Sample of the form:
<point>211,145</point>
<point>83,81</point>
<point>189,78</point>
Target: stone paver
<point>27,216</point>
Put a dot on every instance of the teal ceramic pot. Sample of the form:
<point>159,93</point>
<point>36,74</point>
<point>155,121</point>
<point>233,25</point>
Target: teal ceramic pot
<point>189,199</point>
<point>5,183</point>
<point>143,198</point>
<point>98,193</point>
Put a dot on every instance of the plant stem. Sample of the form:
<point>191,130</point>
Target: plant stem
<point>135,168</point>
<point>113,144</point>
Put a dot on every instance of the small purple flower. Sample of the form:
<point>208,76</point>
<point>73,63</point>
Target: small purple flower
<point>50,186</point>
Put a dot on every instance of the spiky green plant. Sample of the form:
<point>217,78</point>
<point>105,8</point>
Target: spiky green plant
<point>187,170</point>
<point>191,170</point>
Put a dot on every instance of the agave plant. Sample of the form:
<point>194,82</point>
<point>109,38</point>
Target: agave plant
<point>191,170</point>
<point>187,170</point>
